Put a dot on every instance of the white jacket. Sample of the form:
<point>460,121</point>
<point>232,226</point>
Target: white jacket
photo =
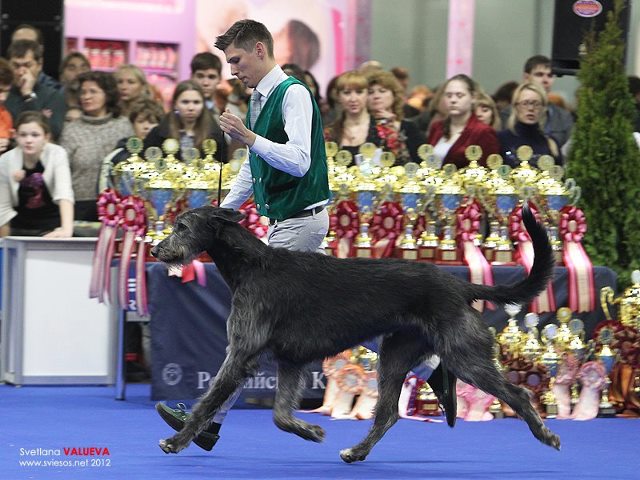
<point>56,175</point>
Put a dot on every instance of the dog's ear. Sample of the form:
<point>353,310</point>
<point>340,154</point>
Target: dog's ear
<point>228,214</point>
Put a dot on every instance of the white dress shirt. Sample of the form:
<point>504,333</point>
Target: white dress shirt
<point>293,157</point>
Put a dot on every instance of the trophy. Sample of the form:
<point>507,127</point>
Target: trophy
<point>198,189</point>
<point>531,347</point>
<point>578,349</point>
<point>499,249</point>
<point>629,302</point>
<point>550,359</point>
<point>607,358</point>
<point>496,407</point>
<point>410,192</point>
<point>511,336</point>
<point>161,192</point>
<point>125,173</point>
<point>365,190</point>
<point>450,194</point>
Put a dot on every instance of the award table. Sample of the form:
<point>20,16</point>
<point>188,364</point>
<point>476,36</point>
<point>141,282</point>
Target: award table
<point>188,330</point>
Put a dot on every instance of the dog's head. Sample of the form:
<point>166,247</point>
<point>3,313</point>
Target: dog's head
<point>191,233</point>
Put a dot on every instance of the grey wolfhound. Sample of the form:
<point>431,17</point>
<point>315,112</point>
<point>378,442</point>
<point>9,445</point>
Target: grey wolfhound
<point>308,306</point>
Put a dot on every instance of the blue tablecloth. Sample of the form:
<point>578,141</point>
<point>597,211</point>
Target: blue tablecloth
<point>188,330</point>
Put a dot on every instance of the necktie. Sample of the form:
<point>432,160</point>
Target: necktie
<point>255,106</point>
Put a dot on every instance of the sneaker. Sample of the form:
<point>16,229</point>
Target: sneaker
<point>177,417</point>
<point>446,393</point>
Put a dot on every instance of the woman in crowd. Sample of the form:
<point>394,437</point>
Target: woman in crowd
<point>71,66</point>
<point>524,126</point>
<point>395,134</point>
<point>355,125</point>
<point>188,122</point>
<point>487,112</point>
<point>132,86</point>
<point>36,198</point>
<point>461,128</point>
<point>90,138</point>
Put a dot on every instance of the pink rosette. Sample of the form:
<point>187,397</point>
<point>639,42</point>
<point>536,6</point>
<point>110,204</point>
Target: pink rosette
<point>350,379</point>
<point>252,220</point>
<point>468,220</point>
<point>332,364</point>
<point>370,384</point>
<point>546,301</point>
<point>386,227</point>
<point>346,222</point>
<point>582,291</point>
<point>133,223</point>
<point>592,375</point>
<point>108,213</point>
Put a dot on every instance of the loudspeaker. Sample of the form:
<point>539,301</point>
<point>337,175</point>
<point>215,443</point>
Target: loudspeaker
<point>47,16</point>
<point>571,22</point>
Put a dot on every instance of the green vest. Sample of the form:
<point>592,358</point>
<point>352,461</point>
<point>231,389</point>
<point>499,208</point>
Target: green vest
<point>277,194</point>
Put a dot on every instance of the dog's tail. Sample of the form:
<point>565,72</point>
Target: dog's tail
<point>541,271</point>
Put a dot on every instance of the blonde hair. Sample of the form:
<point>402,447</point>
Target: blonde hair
<point>534,87</point>
<point>485,100</point>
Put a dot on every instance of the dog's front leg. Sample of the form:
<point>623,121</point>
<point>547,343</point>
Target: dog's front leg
<point>232,373</point>
<point>287,399</point>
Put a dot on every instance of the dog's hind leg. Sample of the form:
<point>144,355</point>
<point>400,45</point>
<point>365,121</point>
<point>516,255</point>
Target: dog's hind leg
<point>469,354</point>
<point>288,399</point>
<point>398,353</point>
<point>232,373</point>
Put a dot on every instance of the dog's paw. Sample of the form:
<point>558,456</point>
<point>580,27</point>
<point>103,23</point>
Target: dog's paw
<point>166,446</point>
<point>315,433</point>
<point>550,438</point>
<point>349,455</point>
<point>172,445</point>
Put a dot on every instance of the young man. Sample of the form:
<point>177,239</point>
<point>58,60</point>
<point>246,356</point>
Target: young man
<point>206,71</point>
<point>29,32</point>
<point>25,58</point>
<point>6,122</point>
<point>287,168</point>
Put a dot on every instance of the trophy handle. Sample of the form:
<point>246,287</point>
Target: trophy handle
<point>606,297</point>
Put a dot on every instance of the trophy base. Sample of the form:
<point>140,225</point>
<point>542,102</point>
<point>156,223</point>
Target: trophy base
<point>363,252</point>
<point>329,251</point>
<point>428,408</point>
<point>551,411</point>
<point>503,257</point>
<point>426,254</point>
<point>407,253</point>
<point>448,257</point>
<point>489,254</point>
<point>606,411</point>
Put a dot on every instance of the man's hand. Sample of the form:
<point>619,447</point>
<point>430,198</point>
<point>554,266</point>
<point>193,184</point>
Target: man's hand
<point>235,128</point>
<point>26,83</point>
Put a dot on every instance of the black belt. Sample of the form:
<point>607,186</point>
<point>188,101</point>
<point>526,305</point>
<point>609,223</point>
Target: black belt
<point>300,214</point>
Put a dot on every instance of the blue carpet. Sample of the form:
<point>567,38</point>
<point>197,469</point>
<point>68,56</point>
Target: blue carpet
<point>55,418</point>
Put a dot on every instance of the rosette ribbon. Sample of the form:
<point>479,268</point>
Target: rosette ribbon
<point>546,301</point>
<point>252,220</point>
<point>582,294</point>
<point>347,224</point>
<point>133,223</point>
<point>108,213</point>
<point>194,271</point>
<point>468,225</point>
<point>386,227</point>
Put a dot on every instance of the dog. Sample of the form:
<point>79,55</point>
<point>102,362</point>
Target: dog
<point>305,306</point>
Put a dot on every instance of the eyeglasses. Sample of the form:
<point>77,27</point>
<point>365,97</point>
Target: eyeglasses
<point>535,104</point>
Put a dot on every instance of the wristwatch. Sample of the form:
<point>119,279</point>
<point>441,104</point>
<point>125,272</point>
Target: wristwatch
<point>30,96</point>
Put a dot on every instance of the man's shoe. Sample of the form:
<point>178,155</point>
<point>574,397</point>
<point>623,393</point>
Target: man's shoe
<point>443,385</point>
<point>177,417</point>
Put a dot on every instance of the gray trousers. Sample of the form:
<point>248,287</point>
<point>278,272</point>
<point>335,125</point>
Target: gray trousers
<point>303,234</point>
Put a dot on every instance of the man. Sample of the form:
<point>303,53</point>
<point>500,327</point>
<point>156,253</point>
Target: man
<point>25,58</point>
<point>559,122</point>
<point>286,170</point>
<point>206,71</point>
<point>29,32</point>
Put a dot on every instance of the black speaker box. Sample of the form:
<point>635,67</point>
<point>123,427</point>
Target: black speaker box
<point>572,20</point>
<point>47,16</point>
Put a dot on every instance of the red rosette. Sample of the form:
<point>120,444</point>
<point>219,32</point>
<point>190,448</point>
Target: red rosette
<point>252,220</point>
<point>332,364</point>
<point>350,379</point>
<point>346,223</point>
<point>468,220</point>
<point>109,215</point>
<point>517,232</point>
<point>386,227</point>
<point>133,222</point>
<point>389,136</point>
